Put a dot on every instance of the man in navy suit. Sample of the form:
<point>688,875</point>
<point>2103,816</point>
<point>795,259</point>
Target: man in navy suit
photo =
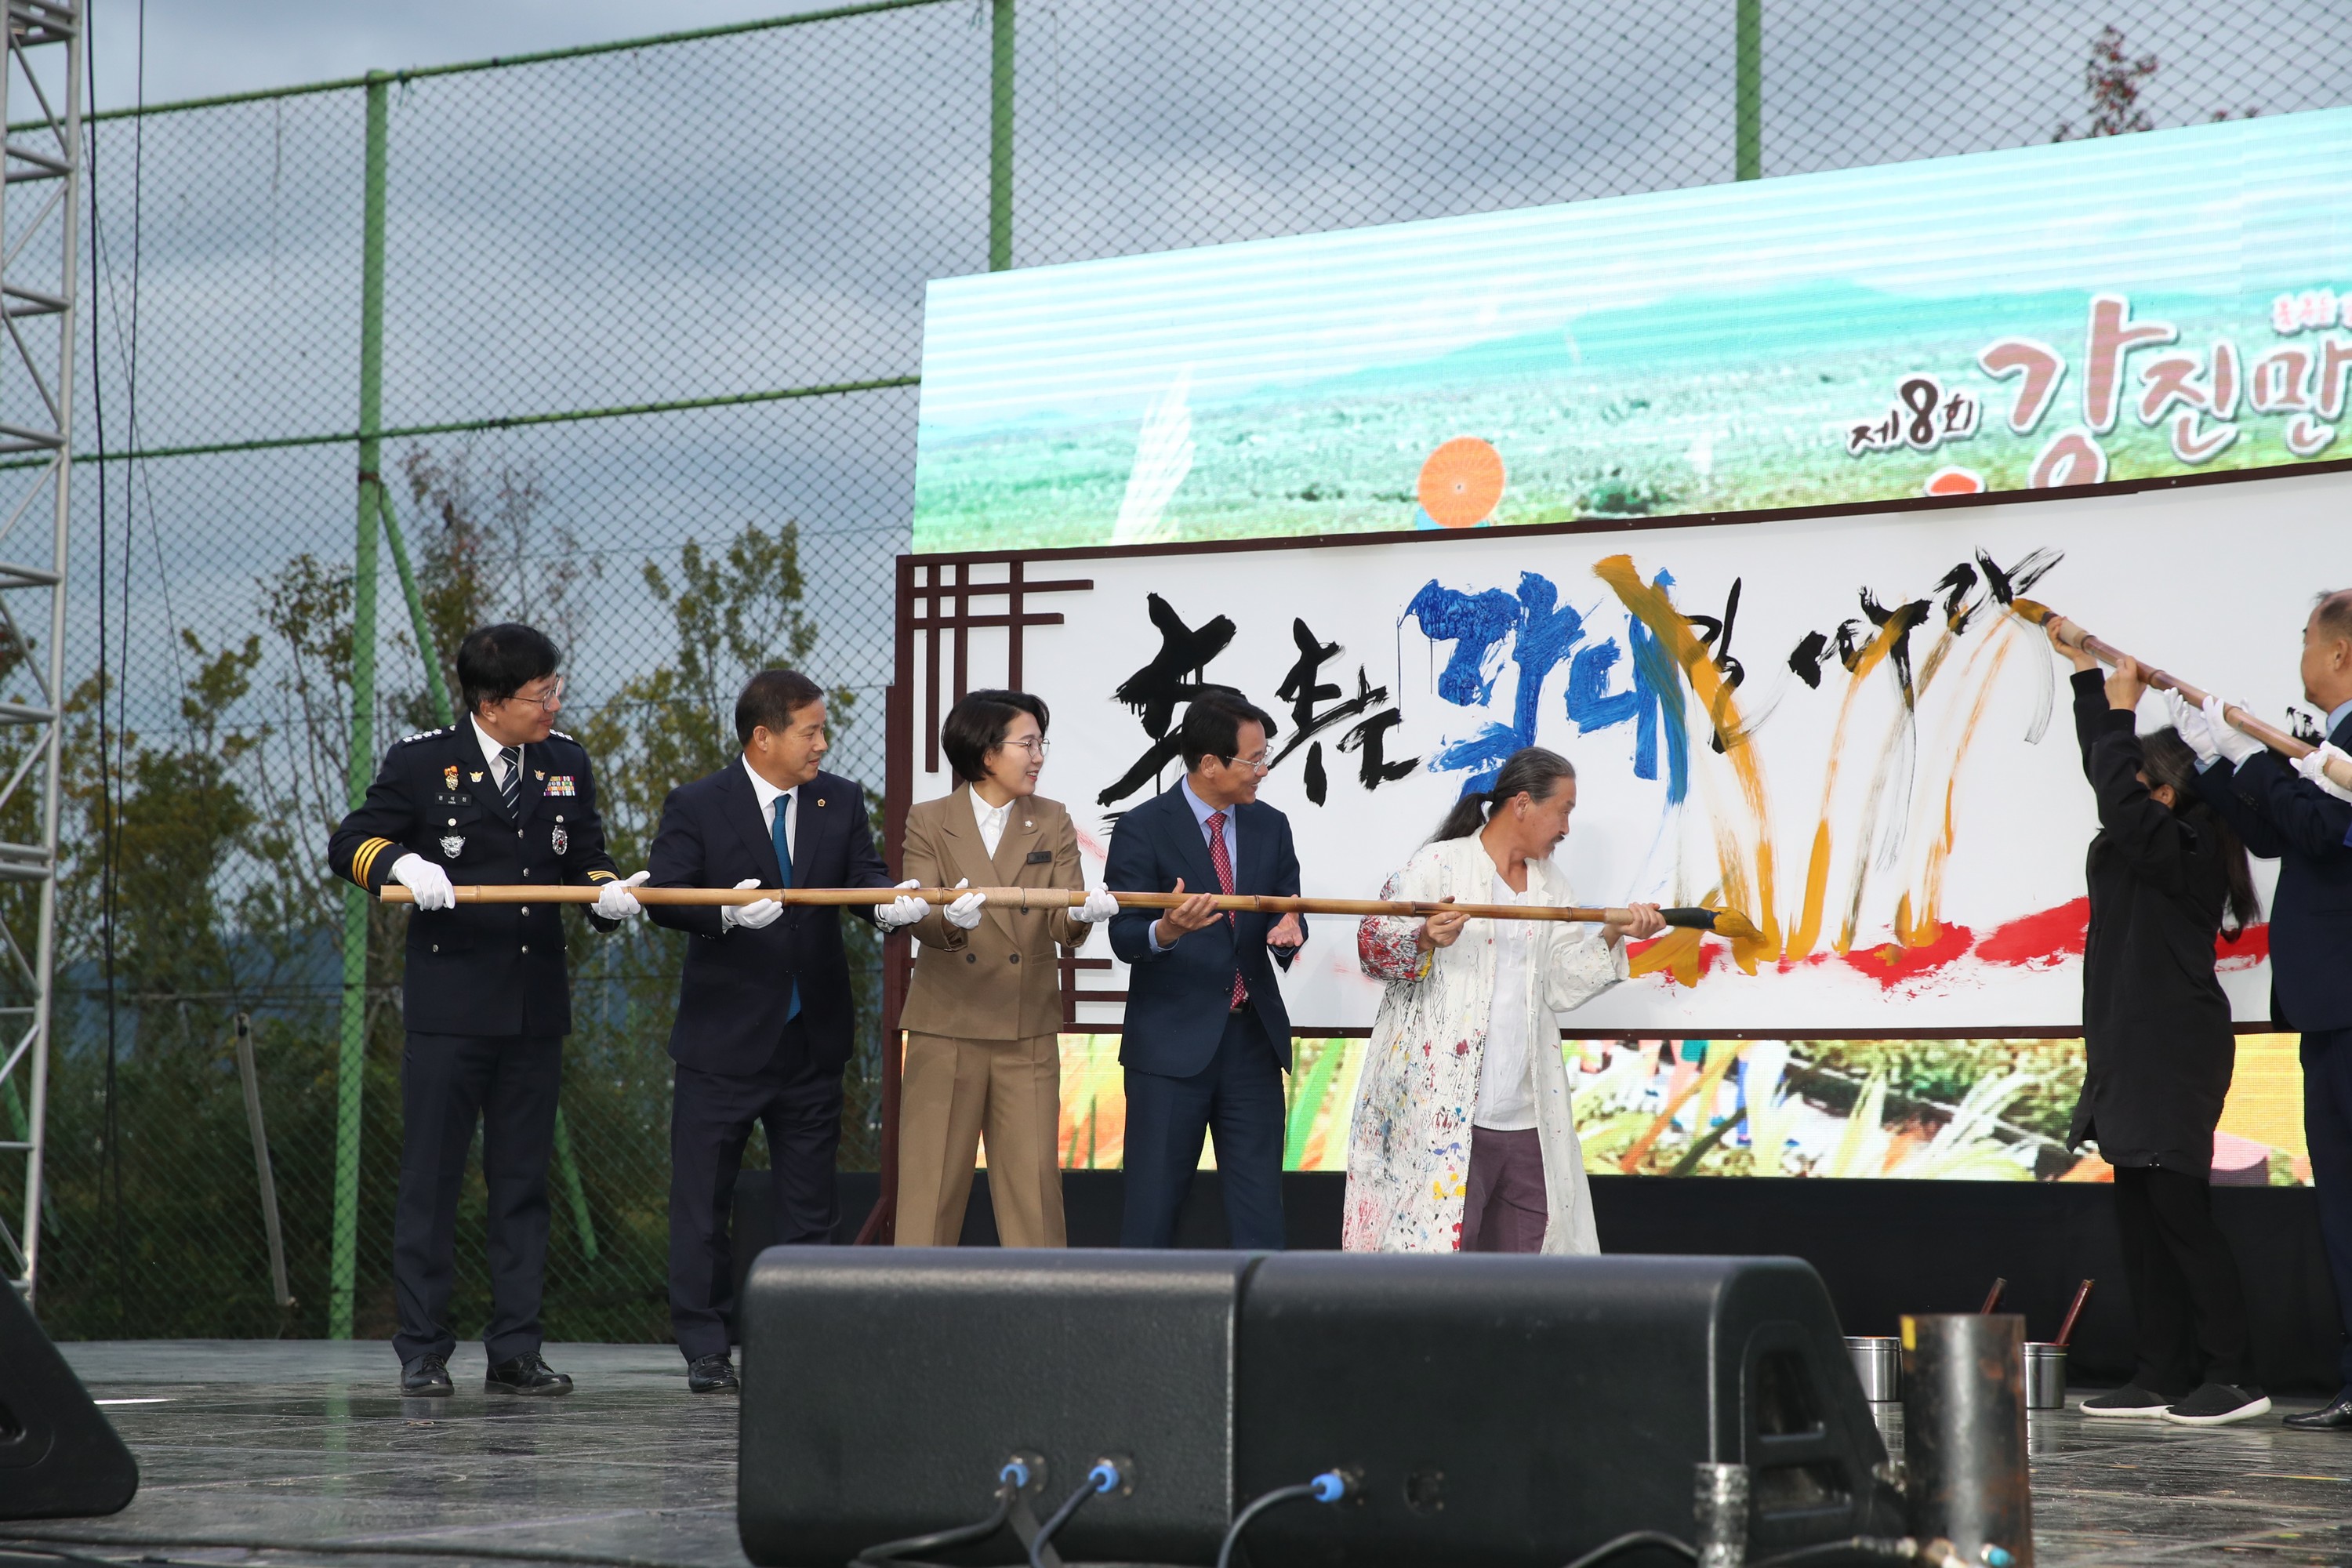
<point>765,1011</point>
<point>2292,813</point>
<point>1207,1038</point>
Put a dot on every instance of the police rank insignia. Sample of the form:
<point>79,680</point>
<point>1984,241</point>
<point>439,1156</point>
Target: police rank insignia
<point>475,777</point>
<point>452,846</point>
<point>560,783</point>
<point>559,841</point>
<point>449,776</point>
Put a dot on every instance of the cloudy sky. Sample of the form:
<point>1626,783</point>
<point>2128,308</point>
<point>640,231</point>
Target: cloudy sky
<point>199,47</point>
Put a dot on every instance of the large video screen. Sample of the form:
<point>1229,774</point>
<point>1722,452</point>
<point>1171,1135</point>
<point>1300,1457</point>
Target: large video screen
<point>1976,1110</point>
<point>2122,308</point>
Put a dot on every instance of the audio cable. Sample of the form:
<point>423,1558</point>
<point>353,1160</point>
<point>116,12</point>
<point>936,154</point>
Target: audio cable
<point>1883,1548</point>
<point>1331,1486</point>
<point>1105,1476</point>
<point>1011,1481</point>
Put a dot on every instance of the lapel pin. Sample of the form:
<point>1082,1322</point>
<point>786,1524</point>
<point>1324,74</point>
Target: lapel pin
<point>475,777</point>
<point>539,772</point>
<point>820,800</point>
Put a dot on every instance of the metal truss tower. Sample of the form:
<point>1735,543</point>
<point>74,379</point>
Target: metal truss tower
<point>40,217</point>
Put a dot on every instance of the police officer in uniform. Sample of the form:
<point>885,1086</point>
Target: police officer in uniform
<point>499,798</point>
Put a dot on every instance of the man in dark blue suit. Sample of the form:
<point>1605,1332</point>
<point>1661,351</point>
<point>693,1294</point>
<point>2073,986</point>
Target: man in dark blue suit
<point>1207,1038</point>
<point>765,1011</point>
<point>2293,814</point>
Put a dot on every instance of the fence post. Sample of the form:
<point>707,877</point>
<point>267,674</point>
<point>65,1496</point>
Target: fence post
<point>1000,135</point>
<point>351,1064</point>
<point>1747,89</point>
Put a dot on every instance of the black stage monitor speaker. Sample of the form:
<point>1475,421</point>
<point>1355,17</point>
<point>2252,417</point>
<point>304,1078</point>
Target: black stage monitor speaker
<point>1490,1410</point>
<point>884,1387</point>
<point>58,1458</point>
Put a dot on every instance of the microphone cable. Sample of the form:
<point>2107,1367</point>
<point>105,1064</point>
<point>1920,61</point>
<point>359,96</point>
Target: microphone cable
<point>1331,1486</point>
<point>1010,1482</point>
<point>1103,1478</point>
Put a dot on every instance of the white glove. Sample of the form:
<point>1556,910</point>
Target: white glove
<point>750,916</point>
<point>1099,907</point>
<point>2234,744</point>
<point>901,911</point>
<point>2191,723</point>
<point>426,881</point>
<point>964,913</point>
<point>2312,767</point>
<point>615,902</point>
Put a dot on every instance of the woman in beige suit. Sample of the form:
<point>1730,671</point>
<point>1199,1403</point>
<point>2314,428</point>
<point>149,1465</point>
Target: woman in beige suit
<point>983,1016</point>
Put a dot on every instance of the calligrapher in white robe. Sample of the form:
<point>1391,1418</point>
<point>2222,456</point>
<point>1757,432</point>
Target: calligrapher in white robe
<point>1409,1140</point>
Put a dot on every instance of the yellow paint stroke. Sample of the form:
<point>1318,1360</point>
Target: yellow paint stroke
<point>1905,720</point>
<point>1817,869</point>
<point>1654,610</point>
<point>1676,953</point>
<point>1929,926</point>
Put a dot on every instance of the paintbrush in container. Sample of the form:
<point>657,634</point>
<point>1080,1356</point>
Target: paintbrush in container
<point>1993,1296</point>
<point>2066,1329</point>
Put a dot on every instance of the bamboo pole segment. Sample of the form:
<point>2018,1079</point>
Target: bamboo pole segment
<point>1722,922</point>
<point>2270,735</point>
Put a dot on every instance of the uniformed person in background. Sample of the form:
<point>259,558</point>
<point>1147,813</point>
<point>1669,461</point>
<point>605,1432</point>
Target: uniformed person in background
<point>499,798</point>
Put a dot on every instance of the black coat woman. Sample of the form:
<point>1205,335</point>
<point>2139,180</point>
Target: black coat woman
<point>2164,874</point>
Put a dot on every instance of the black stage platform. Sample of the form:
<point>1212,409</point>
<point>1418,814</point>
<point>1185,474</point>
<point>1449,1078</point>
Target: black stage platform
<point>1884,1248</point>
<point>301,1453</point>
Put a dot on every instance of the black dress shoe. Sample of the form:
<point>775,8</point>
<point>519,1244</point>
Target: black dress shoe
<point>427,1377</point>
<point>526,1374</point>
<point>712,1374</point>
<point>2334,1417</point>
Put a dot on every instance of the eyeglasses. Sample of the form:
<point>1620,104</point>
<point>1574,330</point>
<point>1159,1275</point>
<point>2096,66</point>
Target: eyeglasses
<point>551,701</point>
<point>1263,762</point>
<point>1033,745</point>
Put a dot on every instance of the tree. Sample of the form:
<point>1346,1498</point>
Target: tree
<point>2116,82</point>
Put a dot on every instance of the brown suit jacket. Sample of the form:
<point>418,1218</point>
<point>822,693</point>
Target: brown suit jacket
<point>1000,980</point>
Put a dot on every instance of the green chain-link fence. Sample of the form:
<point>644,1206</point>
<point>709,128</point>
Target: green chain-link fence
<point>650,331</point>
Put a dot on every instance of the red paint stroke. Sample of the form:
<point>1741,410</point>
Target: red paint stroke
<point>1890,964</point>
<point>2040,938</point>
<point>2252,946</point>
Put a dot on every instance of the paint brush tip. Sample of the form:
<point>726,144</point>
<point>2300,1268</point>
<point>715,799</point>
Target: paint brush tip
<point>2031,609</point>
<point>1735,925</point>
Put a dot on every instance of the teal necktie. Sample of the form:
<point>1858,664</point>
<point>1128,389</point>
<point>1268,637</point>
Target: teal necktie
<point>785,865</point>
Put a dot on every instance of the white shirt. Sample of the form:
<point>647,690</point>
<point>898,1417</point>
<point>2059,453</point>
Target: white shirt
<point>768,795</point>
<point>491,749</point>
<point>1506,1084</point>
<point>992,820</point>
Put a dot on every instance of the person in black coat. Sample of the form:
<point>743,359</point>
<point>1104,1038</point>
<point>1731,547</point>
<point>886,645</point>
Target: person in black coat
<point>765,1015</point>
<point>499,798</point>
<point>2160,1047</point>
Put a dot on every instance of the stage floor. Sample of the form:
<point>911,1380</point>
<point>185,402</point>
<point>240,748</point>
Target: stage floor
<point>284,1453</point>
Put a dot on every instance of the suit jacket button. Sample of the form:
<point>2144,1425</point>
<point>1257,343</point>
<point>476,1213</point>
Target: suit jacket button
<point>526,909</point>
<point>972,958</point>
<point>436,947</point>
<point>526,947</point>
<point>1016,958</point>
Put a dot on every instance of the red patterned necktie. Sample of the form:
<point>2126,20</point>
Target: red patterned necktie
<point>1224,865</point>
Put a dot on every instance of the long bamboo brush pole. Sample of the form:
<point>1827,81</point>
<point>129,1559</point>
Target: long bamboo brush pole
<point>1722,922</point>
<point>2277,739</point>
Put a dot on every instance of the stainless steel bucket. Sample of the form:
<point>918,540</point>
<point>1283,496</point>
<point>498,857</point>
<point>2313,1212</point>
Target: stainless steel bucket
<point>1878,1363</point>
<point>2046,1377</point>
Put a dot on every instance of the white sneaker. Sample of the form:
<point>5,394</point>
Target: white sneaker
<point>2217,1405</point>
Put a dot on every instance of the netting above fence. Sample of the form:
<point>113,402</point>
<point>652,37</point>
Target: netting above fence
<point>744,223</point>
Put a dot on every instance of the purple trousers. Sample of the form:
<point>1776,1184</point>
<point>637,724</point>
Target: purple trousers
<point>1505,1210</point>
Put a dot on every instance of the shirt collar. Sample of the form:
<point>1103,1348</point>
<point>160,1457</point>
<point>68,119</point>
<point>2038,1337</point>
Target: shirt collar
<point>2338,714</point>
<point>488,742</point>
<point>1201,809</point>
<point>762,791</point>
<point>984,813</point>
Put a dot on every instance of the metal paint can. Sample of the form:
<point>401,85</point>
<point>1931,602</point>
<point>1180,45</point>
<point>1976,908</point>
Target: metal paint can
<point>1964,1429</point>
<point>1878,1364</point>
<point>2046,1377</point>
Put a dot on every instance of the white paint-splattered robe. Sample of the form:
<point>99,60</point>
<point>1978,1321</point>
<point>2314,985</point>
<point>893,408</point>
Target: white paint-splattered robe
<point>1409,1141</point>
